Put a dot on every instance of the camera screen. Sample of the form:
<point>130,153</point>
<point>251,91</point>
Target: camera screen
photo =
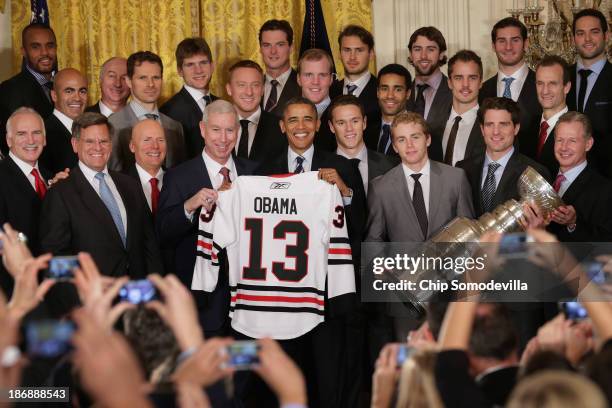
<point>243,354</point>
<point>62,267</point>
<point>574,311</point>
<point>49,338</point>
<point>136,292</point>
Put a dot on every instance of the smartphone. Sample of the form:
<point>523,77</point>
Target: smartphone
<point>404,352</point>
<point>138,291</point>
<point>243,355</point>
<point>595,272</point>
<point>49,338</point>
<point>514,245</point>
<point>573,310</point>
<point>62,267</point>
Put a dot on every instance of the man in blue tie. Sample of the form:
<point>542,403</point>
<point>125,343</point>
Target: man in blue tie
<point>98,211</point>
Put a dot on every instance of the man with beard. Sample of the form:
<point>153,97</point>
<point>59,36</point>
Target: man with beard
<point>393,90</point>
<point>462,136</point>
<point>32,86</point>
<point>69,95</point>
<point>514,79</point>
<point>430,97</point>
<point>113,87</point>
<point>591,91</point>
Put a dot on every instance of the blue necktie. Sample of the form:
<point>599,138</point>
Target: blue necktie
<point>384,139</point>
<point>507,93</point>
<point>489,187</point>
<point>109,201</point>
<point>350,88</point>
<point>299,168</point>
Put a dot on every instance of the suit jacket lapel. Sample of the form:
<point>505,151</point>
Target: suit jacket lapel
<point>435,192</point>
<point>317,160</point>
<point>193,105</point>
<point>437,108</point>
<point>129,208</point>
<point>508,175</point>
<point>404,194</point>
<point>20,177</point>
<point>598,88</point>
<point>577,186</point>
<point>475,142</point>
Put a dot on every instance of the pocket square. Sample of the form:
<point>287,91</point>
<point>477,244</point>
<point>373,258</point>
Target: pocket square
<point>603,103</point>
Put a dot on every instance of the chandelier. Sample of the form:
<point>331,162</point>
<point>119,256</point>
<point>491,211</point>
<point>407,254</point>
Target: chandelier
<point>554,36</point>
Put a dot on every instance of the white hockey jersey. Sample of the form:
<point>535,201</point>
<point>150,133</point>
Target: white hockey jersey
<point>286,237</point>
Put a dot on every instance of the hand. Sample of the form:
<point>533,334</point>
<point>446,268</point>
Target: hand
<point>532,217</point>
<point>206,197</point>
<point>10,376</point>
<point>332,177</point>
<point>551,336</point>
<point>551,255</point>
<point>27,293</point>
<point>564,215</point>
<point>579,341</point>
<point>15,251</point>
<point>204,367</point>
<point>421,338</point>
<point>280,373</point>
<point>59,176</point>
<point>385,376</point>
<point>531,348</point>
<point>108,368</point>
<point>178,310</point>
<point>97,292</point>
<point>191,396</point>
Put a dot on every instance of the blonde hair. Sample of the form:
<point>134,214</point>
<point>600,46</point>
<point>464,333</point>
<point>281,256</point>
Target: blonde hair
<point>417,383</point>
<point>556,389</point>
<point>410,117</point>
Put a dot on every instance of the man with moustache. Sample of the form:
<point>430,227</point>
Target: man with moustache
<point>144,78</point>
<point>552,85</point>
<point>69,96</point>
<point>315,76</point>
<point>514,79</point>
<point>430,97</point>
<point>32,86</point>
<point>259,137</point>
<point>275,45</point>
<point>462,136</point>
<point>195,65</point>
<point>392,91</point>
<point>591,91</point>
<point>114,91</point>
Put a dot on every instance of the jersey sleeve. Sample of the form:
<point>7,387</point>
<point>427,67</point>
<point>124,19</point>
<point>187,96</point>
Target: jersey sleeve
<point>217,229</point>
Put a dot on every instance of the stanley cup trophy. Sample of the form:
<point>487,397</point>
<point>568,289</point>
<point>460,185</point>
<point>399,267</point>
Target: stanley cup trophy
<point>461,231</point>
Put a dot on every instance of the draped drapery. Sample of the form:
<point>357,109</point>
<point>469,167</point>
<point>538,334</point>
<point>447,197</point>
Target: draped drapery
<point>89,32</point>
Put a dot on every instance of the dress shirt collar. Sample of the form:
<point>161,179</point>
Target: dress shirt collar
<point>105,110</point>
<point>321,106</point>
<point>213,167</point>
<point>26,168</point>
<point>573,173</point>
<point>90,174</point>
<point>66,121</point>
<point>466,117</point>
<point>425,170</point>
<point>307,155</point>
<point>503,161</point>
<point>254,118</point>
<point>40,78</point>
<point>361,83</point>
<point>195,93</point>
<point>433,81</point>
<point>518,75</point>
<point>596,67</point>
<point>145,176</point>
<point>362,155</point>
<point>282,78</point>
<point>140,111</point>
<point>552,121</point>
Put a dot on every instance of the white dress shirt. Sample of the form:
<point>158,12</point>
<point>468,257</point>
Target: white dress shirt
<point>197,95</point>
<point>503,162</point>
<point>520,75</point>
<point>145,181</point>
<point>282,80</point>
<point>253,122</point>
<point>363,164</point>
<point>105,110</point>
<point>552,121</point>
<point>90,175</point>
<point>306,164</point>
<point>26,168</point>
<point>66,121</point>
<point>570,177</point>
<point>361,84</point>
<point>463,132</point>
<point>424,180</point>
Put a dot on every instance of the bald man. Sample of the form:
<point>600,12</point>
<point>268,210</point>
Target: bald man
<point>149,147</point>
<point>69,95</point>
<point>114,91</point>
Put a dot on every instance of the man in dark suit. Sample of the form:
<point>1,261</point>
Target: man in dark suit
<point>356,51</point>
<point>275,45</point>
<point>114,91</point>
<point>514,79</point>
<point>552,85</point>
<point>493,174</point>
<point>586,215</point>
<point>195,65</point>
<point>591,91</point>
<point>187,188</point>
<point>392,91</point>
<point>144,78</point>
<point>461,135</point>
<point>430,96</point>
<point>98,211</point>
<point>259,136</point>
<point>22,181</point>
<point>32,86</point>
<point>315,76</point>
<point>69,95</point>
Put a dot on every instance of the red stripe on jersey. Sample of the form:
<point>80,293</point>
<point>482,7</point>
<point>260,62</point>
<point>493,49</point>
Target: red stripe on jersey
<point>340,251</point>
<point>282,175</point>
<point>205,245</point>
<point>286,299</point>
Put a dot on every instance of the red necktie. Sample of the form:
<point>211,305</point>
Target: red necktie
<point>41,187</point>
<point>558,181</point>
<point>154,194</point>
<point>542,139</point>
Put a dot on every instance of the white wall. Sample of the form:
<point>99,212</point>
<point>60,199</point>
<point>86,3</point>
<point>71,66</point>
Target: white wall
<point>5,42</point>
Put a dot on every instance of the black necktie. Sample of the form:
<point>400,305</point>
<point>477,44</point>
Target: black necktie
<point>207,99</point>
<point>489,187</point>
<point>450,146</point>
<point>419,105</point>
<point>584,83</point>
<point>384,139</point>
<point>271,103</point>
<point>419,203</point>
<point>299,168</point>
<point>151,116</point>
<point>47,88</point>
<point>350,88</point>
<point>243,146</point>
